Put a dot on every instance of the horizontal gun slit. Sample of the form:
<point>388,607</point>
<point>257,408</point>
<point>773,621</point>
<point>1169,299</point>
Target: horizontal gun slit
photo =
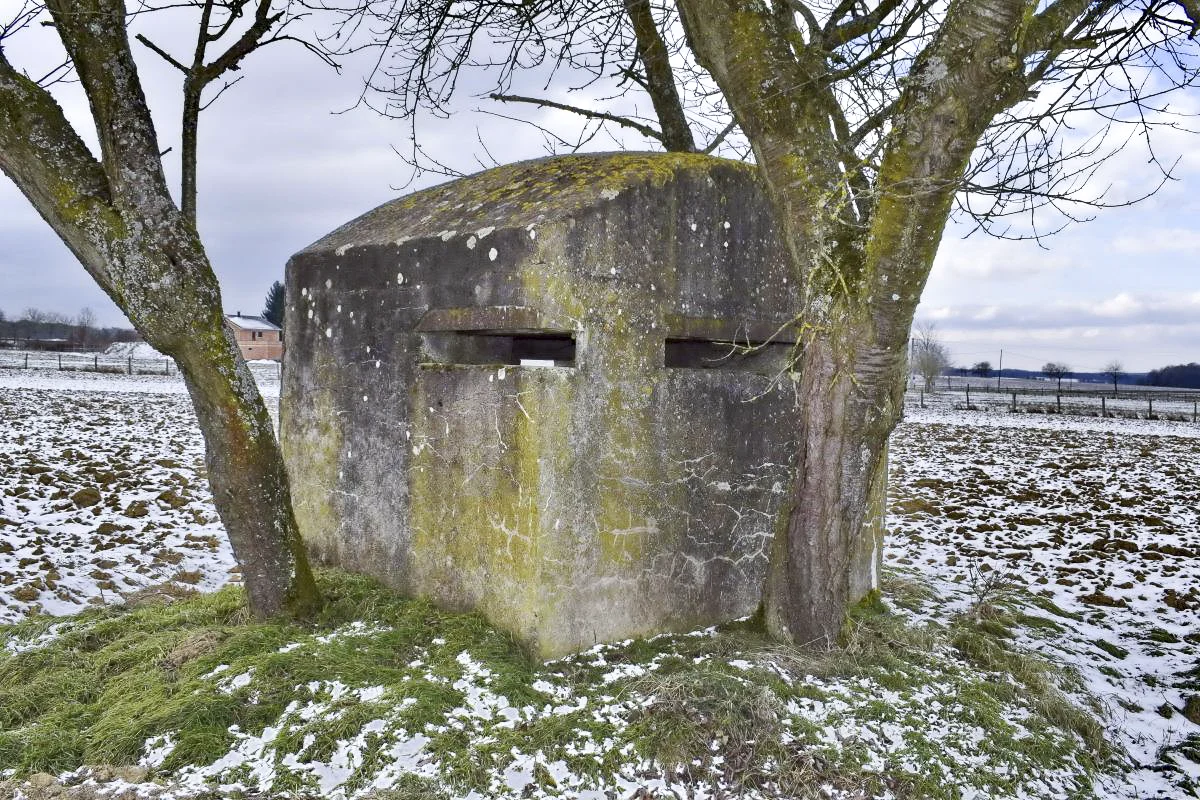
<point>746,356</point>
<point>509,348</point>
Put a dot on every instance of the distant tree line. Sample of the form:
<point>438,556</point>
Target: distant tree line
<point>929,359</point>
<point>1181,376</point>
<point>38,329</point>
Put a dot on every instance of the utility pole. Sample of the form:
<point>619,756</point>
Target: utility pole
<point>1000,371</point>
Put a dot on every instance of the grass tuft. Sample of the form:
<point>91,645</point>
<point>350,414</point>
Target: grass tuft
<point>728,708</point>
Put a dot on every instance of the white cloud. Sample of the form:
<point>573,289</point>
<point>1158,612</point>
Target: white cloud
<point>982,257</point>
<point>1145,331</point>
<point>1123,306</point>
<point>1121,309</point>
<point>1159,240</point>
<point>985,314</point>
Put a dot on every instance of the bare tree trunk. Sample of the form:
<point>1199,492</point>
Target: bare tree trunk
<point>660,78</point>
<point>861,258</point>
<point>189,140</point>
<point>247,475</point>
<point>117,217</point>
<point>828,553</point>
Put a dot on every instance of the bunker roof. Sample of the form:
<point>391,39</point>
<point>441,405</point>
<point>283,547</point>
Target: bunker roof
<point>517,196</point>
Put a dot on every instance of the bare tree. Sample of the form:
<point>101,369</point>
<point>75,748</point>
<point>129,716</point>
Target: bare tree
<point>1056,370</point>
<point>30,321</point>
<point>218,22</point>
<point>870,123</point>
<point>981,368</point>
<point>930,358</point>
<point>84,324</point>
<point>1115,370</point>
<point>635,49</point>
<point>117,216</point>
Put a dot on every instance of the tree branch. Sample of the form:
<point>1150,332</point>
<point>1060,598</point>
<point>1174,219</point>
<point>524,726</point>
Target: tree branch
<point>1192,9</point>
<point>1048,27</point>
<point>838,35</point>
<point>643,129</point>
<point>720,137</point>
<point>660,79</point>
<point>141,37</point>
<point>941,114</point>
<point>93,33</point>
<point>247,43</point>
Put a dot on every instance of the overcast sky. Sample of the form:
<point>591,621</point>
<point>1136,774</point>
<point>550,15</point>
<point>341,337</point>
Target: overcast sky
<point>279,169</point>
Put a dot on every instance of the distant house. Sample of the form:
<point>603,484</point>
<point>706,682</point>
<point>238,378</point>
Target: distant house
<point>258,338</point>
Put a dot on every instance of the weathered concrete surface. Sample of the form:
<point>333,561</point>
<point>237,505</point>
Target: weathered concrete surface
<point>629,492</point>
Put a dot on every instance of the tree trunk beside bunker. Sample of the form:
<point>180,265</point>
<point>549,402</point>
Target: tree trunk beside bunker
<point>117,216</point>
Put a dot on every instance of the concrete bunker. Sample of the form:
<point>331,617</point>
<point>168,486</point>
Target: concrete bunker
<point>517,393</point>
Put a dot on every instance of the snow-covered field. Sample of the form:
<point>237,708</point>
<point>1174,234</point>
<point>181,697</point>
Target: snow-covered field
<point>1093,523</point>
<point>102,490</point>
<point>1101,517</point>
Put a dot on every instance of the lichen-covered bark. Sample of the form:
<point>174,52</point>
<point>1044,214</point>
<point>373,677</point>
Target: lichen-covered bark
<point>246,472</point>
<point>660,78</point>
<point>189,142</point>
<point>118,218</point>
<point>862,262</point>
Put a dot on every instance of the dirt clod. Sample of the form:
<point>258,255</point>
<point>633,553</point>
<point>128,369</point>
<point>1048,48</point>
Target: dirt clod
<point>85,497</point>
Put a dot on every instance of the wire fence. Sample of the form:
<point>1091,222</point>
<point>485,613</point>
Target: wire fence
<point>1050,389</point>
<point>108,364</point>
<point>86,362</point>
<point>1179,405</point>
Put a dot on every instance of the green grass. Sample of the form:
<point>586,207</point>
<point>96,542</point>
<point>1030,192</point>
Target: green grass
<point>973,663</point>
<point>115,678</point>
<point>1114,650</point>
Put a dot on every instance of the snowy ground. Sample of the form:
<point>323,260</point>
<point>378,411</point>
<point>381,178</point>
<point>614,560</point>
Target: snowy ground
<point>1099,516</point>
<point>102,490</point>
<point>102,493</point>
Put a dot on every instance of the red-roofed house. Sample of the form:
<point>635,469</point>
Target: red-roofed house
<point>258,337</point>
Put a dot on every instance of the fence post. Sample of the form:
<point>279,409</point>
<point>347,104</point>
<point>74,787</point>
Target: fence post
<point>96,361</point>
<point>1150,413</point>
<point>166,366</point>
<point>1103,407</point>
<point>27,361</point>
<point>60,362</point>
<point>1194,405</point>
<point>1058,402</point>
<point>130,366</point>
<point>922,398</point>
<point>1014,408</point>
<point>968,396</point>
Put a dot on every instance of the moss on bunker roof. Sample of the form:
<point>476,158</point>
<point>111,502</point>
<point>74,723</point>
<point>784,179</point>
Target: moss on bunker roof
<point>518,195</point>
